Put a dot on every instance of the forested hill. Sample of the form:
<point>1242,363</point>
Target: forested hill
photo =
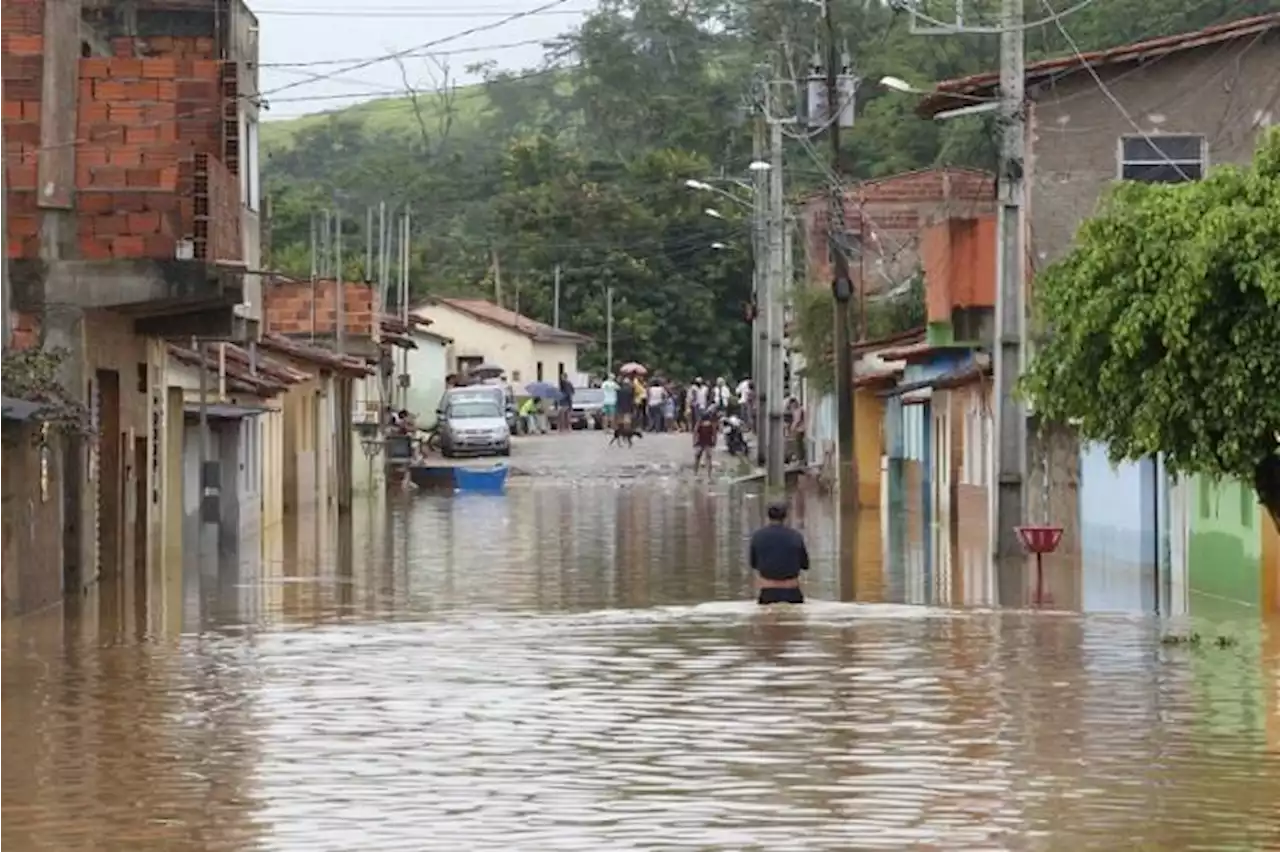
<point>581,163</point>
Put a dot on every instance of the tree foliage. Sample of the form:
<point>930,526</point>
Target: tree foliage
<point>1164,325</point>
<point>581,162</point>
<point>814,311</point>
<point>32,375</point>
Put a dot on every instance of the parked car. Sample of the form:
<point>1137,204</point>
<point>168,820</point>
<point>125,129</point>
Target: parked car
<point>588,409</point>
<point>499,394</point>
<point>474,426</point>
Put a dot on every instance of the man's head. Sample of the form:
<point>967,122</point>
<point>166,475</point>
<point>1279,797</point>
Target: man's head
<point>777,512</point>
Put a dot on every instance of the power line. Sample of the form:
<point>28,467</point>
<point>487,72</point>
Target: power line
<point>480,48</point>
<point>394,55</point>
<point>967,29</point>
<point>408,13</point>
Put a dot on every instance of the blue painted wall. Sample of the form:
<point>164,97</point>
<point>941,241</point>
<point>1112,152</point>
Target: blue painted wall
<point>1118,525</point>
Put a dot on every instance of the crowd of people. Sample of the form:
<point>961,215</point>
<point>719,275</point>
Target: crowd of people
<point>661,405</point>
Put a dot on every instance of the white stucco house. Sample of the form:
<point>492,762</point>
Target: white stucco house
<point>485,333</point>
<point>428,365</point>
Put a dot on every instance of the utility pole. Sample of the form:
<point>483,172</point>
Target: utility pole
<point>759,291</point>
<point>776,462</point>
<point>340,309</point>
<point>5,287</point>
<point>368,244</point>
<point>407,243</point>
<point>1010,416</point>
<point>842,293</point>
<point>608,328</point>
<point>497,278</point>
<point>315,272</point>
<point>556,320</point>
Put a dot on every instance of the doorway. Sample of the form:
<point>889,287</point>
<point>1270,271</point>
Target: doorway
<point>110,482</point>
<point>141,542</point>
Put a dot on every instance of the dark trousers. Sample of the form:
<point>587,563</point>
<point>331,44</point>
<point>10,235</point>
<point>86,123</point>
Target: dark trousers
<point>770,595</point>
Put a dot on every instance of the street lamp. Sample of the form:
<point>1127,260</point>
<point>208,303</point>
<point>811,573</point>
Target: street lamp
<point>698,185</point>
<point>719,246</point>
<point>900,85</point>
<point>979,106</point>
<point>713,213</point>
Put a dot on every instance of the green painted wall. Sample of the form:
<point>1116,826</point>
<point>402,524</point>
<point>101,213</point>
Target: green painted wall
<point>1225,549</point>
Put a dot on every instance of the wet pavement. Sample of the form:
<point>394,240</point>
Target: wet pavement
<point>574,666</point>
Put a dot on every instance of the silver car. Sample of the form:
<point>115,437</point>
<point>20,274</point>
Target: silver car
<point>474,426</point>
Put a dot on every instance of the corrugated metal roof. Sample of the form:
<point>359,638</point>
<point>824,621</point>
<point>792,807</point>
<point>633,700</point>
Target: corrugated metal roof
<point>960,91</point>
<point>224,411</point>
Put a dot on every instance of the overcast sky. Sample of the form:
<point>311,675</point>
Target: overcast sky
<point>327,37</point>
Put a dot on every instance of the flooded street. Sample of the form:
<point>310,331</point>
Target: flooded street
<point>576,665</point>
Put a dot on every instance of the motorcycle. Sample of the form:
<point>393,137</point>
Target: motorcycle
<point>735,440</point>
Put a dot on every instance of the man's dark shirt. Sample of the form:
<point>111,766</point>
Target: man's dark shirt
<point>705,434</point>
<point>566,391</point>
<point>778,552</point>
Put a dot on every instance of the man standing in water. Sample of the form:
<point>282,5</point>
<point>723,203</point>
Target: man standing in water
<point>704,441</point>
<point>778,555</point>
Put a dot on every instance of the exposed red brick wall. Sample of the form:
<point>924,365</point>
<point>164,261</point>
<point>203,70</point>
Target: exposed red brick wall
<point>148,169</point>
<point>26,330</point>
<point>22,43</point>
<point>888,214</point>
<point>155,123</point>
<point>287,306</point>
<point>211,209</point>
<point>178,47</point>
<point>21,17</point>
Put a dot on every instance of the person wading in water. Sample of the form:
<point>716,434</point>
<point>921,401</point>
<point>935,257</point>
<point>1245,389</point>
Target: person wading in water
<point>778,555</point>
<point>704,441</point>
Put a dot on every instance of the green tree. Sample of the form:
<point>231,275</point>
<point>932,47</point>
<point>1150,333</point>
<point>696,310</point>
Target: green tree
<point>1164,326</point>
<point>580,162</point>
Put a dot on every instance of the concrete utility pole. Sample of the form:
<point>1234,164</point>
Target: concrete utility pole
<point>5,287</point>
<point>608,328</point>
<point>368,244</point>
<point>777,445</point>
<point>842,292</point>
<point>759,290</point>
<point>1010,416</point>
<point>315,271</point>
<point>497,278</point>
<point>555,322</point>
<point>340,309</point>
<point>405,283</point>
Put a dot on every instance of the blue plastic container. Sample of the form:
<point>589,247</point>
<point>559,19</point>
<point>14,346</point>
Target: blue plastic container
<point>491,480</point>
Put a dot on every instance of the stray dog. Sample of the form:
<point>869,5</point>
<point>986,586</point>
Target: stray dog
<point>624,433</point>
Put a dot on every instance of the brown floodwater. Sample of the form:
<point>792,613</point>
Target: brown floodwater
<point>575,666</point>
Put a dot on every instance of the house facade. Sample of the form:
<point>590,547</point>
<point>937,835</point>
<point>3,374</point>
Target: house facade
<point>485,333</point>
<point>131,220</point>
<point>428,367</point>
<point>1187,103</point>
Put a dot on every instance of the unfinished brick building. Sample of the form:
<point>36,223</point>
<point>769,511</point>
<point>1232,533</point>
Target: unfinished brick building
<point>883,219</point>
<point>130,152</point>
<point>137,122</point>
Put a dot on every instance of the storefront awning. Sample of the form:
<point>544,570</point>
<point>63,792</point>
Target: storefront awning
<point>224,411</point>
